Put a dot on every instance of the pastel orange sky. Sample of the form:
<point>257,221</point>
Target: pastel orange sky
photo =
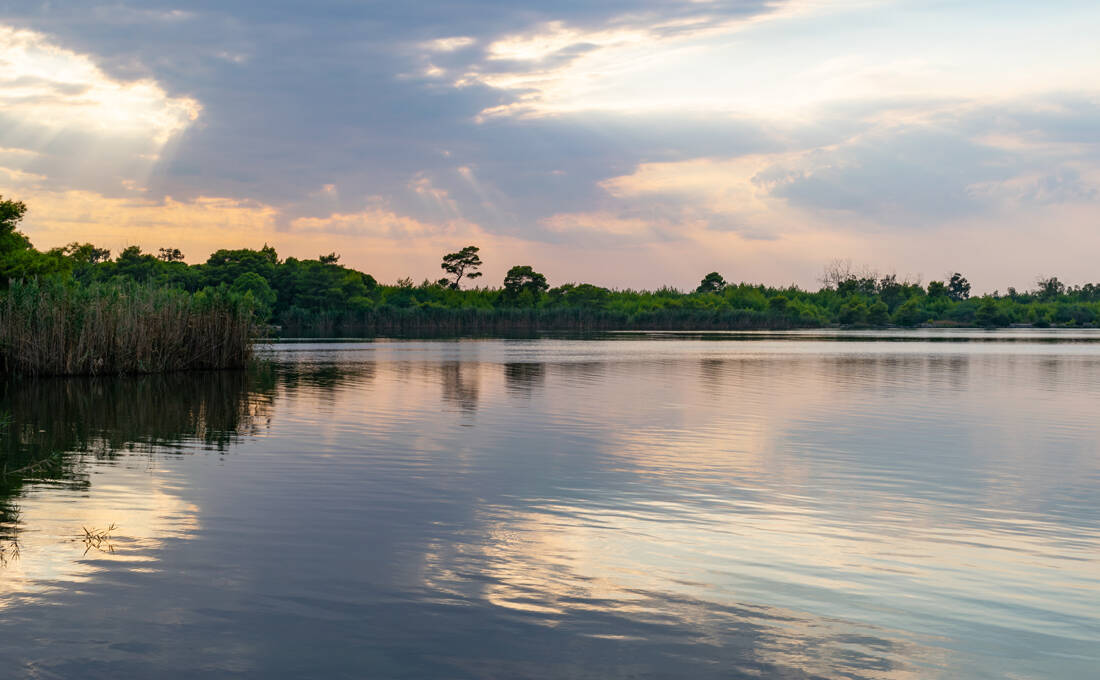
<point>629,144</point>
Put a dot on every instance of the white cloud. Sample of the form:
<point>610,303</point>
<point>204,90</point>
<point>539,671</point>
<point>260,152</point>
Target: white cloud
<point>450,44</point>
<point>44,85</point>
<point>608,223</point>
<point>67,123</point>
<point>375,220</point>
<point>787,62</point>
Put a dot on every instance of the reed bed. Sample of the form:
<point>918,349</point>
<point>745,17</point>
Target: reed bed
<point>50,328</point>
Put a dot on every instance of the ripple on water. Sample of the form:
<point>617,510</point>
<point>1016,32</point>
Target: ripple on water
<point>911,505</point>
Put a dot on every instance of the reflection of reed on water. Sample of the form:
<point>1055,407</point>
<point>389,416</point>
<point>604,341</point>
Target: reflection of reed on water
<point>48,423</point>
<point>9,552</point>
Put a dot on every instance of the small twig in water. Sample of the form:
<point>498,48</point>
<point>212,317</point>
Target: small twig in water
<point>100,539</point>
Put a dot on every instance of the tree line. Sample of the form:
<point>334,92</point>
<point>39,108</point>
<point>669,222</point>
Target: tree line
<point>321,293</point>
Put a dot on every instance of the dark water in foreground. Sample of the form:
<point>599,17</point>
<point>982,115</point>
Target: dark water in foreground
<point>717,507</point>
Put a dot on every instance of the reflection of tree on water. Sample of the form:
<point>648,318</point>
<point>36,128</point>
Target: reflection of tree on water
<point>580,372</point>
<point>51,428</point>
<point>51,424</point>
<point>523,378</point>
<point>712,375</point>
<point>461,383</point>
<point>322,377</point>
<point>46,424</point>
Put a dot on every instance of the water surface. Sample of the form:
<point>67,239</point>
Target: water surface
<point>906,505</point>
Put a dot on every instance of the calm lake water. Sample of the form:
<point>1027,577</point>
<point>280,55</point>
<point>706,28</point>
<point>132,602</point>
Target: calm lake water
<point>709,506</point>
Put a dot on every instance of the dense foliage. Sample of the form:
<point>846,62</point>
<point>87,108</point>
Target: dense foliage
<point>321,295</point>
<point>74,311</point>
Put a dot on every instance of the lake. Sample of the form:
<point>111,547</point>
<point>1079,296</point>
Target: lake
<point>777,505</point>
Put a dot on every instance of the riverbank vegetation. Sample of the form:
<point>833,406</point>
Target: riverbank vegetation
<point>202,307</point>
<point>56,318</point>
<point>49,328</point>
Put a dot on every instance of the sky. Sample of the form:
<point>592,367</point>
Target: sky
<point>627,143</point>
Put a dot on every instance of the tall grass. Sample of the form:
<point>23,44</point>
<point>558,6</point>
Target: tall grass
<point>49,328</point>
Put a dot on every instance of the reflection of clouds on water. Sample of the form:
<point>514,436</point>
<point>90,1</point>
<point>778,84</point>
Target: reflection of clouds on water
<point>88,448</point>
<point>895,479</point>
<point>611,575</point>
<point>617,510</point>
<point>817,485</point>
<point>143,505</point>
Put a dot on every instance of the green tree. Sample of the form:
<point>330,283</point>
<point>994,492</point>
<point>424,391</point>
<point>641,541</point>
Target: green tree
<point>464,263</point>
<point>11,214</point>
<point>14,246</point>
<point>854,311</point>
<point>910,313</point>
<point>523,284</point>
<point>136,265</point>
<point>18,259</point>
<point>866,285</point>
<point>224,266</point>
<point>83,258</point>
<point>958,288</point>
<point>256,288</point>
<point>711,283</point>
<point>890,291</point>
<point>315,286</point>
<point>85,253</point>
<point>1049,289</point>
<point>987,315</point>
<point>582,295</point>
<point>170,255</point>
<point>937,289</point>
<point>744,296</point>
<point>878,314</point>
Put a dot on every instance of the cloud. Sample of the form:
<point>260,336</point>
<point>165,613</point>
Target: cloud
<point>915,175</point>
<point>558,68</point>
<point>374,221</point>
<point>600,223</point>
<point>323,94</point>
<point>52,89</point>
<point>450,44</point>
<point>66,122</point>
<point>725,128</point>
<point>891,169</point>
